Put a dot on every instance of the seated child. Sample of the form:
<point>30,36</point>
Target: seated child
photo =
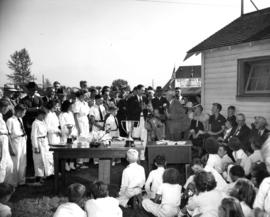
<point>133,178</point>
<point>155,127</point>
<point>239,155</point>
<point>170,195</point>
<point>101,204</point>
<point>225,159</point>
<point>258,173</point>
<point>230,207</point>
<point>256,145</point>
<point>6,190</point>
<point>235,172</point>
<point>42,156</point>
<point>154,179</point>
<point>214,160</point>
<point>72,208</point>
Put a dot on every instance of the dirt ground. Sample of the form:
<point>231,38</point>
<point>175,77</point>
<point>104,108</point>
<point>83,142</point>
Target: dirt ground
<point>35,200</point>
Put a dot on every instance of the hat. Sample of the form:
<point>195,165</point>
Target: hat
<point>132,155</point>
<point>159,88</point>
<point>31,85</point>
<point>112,108</point>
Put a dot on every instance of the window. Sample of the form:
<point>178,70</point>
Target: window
<point>254,77</point>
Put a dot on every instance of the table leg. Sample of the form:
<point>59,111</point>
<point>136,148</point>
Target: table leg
<point>63,171</point>
<point>56,171</point>
<point>104,170</point>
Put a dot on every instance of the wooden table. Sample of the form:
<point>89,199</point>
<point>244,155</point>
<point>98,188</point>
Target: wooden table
<point>174,154</point>
<point>105,155</point>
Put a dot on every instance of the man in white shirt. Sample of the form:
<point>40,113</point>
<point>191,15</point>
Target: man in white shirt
<point>98,112</point>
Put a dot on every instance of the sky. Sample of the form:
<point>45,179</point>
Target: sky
<point>101,40</point>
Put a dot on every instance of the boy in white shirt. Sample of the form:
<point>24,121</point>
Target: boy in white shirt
<point>214,160</point>
<point>6,190</point>
<point>256,144</point>
<point>154,180</point>
<point>133,178</point>
<point>170,195</point>
<point>225,159</point>
<point>111,122</point>
<point>72,208</point>
<point>239,155</point>
<point>18,143</point>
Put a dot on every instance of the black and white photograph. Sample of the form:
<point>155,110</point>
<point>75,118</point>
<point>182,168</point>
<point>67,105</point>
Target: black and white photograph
<point>134,108</point>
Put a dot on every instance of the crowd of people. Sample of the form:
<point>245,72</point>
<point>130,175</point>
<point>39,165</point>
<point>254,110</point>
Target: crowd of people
<point>231,161</point>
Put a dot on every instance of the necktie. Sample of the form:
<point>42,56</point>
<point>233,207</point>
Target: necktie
<point>100,114</point>
<point>22,127</point>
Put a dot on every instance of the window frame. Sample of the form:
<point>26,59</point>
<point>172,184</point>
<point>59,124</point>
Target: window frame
<point>242,79</point>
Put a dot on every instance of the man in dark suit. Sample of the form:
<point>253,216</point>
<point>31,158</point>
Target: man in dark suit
<point>260,128</point>
<point>33,102</point>
<point>135,104</point>
<point>243,132</point>
<point>160,102</point>
<point>122,111</point>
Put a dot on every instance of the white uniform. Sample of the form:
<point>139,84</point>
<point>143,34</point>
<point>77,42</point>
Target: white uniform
<point>18,143</point>
<point>245,161</point>
<point>133,179</point>
<point>53,124</point>
<point>112,123</point>
<point>67,118</point>
<point>43,161</point>
<point>215,162</point>
<point>155,180</point>
<point>69,210</point>
<point>6,164</point>
<point>98,112</point>
<point>82,110</point>
<point>96,207</point>
<point>170,201</point>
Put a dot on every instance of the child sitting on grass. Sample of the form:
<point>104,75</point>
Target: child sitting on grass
<point>154,179</point>
<point>133,178</point>
<point>72,208</point>
<point>169,193</point>
<point>239,155</point>
<point>225,159</point>
<point>101,204</point>
<point>6,190</point>
<point>214,160</point>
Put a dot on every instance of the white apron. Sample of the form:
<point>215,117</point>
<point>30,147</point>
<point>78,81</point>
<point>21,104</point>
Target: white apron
<point>82,111</point>
<point>53,124</point>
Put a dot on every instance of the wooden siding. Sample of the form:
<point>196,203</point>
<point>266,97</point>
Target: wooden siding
<point>219,79</point>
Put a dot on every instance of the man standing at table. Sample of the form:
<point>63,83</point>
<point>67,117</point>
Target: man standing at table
<point>177,122</point>
<point>32,102</point>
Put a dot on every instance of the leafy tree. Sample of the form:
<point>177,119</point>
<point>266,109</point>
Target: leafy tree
<point>118,84</point>
<point>20,63</point>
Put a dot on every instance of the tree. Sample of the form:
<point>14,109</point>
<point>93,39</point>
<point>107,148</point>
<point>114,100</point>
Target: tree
<point>47,83</point>
<point>20,63</point>
<point>118,84</point>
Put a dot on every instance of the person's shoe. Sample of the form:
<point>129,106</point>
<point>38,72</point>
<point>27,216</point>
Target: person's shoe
<point>67,168</point>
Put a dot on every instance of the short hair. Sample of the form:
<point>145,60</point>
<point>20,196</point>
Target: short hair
<point>242,115</point>
<point>76,192</point>
<point>51,104</point>
<point>140,86</point>
<point>4,103</point>
<point>225,147</point>
<point>257,140</point>
<point>160,160</point>
<point>232,207</point>
<point>112,108</point>
<point>56,82</point>
<point>105,89</point>
<point>237,171</point>
<point>80,93</point>
<point>5,190</point>
<point>100,190</point>
<point>259,172</point>
<point>231,107</point>
<point>204,181</point>
<point>199,106</point>
<point>218,105</point>
<point>98,96</point>
<point>65,106</point>
<point>234,143</point>
<point>171,176</point>
<point>211,145</point>
<point>40,112</point>
<point>244,190</point>
<point>196,161</point>
<point>19,108</point>
<point>132,155</point>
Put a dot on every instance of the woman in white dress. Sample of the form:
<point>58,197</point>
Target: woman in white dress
<point>6,164</point>
<point>68,129</point>
<point>52,123</point>
<point>42,156</point>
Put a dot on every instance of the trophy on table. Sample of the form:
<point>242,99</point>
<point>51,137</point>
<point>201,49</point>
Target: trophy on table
<point>128,127</point>
<point>69,138</point>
